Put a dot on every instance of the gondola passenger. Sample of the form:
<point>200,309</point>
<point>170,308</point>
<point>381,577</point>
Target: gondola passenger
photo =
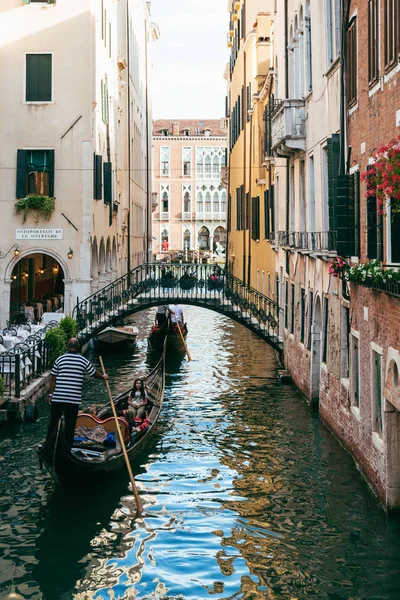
<point>137,401</point>
<point>162,313</point>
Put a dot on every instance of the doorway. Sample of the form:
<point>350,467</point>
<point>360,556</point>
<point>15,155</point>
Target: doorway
<point>315,353</point>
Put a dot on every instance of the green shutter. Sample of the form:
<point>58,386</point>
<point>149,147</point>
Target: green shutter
<point>50,165</point>
<point>97,177</point>
<point>21,173</point>
<point>272,205</point>
<point>345,216</point>
<point>266,215</point>
<point>357,223</point>
<point>372,227</point>
<point>107,174</point>
<point>38,78</point>
<point>333,147</point>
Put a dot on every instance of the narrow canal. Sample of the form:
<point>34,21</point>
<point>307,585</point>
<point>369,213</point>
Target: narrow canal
<point>246,494</point>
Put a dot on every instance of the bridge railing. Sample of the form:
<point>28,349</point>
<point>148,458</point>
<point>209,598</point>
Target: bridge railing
<point>157,282</point>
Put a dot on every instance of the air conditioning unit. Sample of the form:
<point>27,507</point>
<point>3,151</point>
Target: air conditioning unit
<point>260,181</point>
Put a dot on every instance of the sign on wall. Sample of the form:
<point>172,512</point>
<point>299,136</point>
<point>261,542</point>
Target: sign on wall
<point>39,234</point>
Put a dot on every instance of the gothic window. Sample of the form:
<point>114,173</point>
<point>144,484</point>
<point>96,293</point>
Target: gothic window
<point>186,161</point>
<point>164,161</point>
<point>165,240</point>
<point>209,160</point>
<point>164,198</point>
<point>187,197</point>
<point>200,201</point>
<point>216,202</point>
<point>204,238</point>
<point>223,202</point>
<point>208,202</point>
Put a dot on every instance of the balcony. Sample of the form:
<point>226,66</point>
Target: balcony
<point>288,132</point>
<point>187,216</point>
<point>308,241</point>
<point>211,216</point>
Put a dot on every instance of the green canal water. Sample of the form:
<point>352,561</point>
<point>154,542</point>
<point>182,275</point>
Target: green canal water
<point>247,496</point>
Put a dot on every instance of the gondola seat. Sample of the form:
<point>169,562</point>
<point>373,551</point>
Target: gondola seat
<point>109,425</point>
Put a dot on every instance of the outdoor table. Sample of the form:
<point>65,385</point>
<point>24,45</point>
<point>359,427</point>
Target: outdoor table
<point>9,341</point>
<point>52,316</point>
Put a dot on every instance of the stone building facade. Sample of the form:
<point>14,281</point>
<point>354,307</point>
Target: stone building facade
<point>76,126</point>
<point>190,216</point>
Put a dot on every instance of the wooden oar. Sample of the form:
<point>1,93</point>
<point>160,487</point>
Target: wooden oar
<point>183,340</point>
<point>128,466</point>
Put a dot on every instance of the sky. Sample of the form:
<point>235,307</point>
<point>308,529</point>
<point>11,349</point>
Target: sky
<point>189,58</point>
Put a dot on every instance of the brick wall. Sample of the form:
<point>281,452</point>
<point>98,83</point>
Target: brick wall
<point>373,122</point>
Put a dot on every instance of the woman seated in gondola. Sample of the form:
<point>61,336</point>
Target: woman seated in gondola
<point>137,401</point>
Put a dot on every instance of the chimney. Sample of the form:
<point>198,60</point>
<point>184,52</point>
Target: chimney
<point>175,128</point>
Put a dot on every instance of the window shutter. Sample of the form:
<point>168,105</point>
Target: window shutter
<point>255,218</point>
<point>345,216</point>
<point>395,237</point>
<point>333,147</point>
<point>372,227</point>
<point>44,77</point>
<point>97,177</point>
<point>107,174</point>
<point>272,205</point>
<point>50,159</point>
<point>247,226</point>
<point>21,173</point>
<point>357,222</point>
<point>266,215</point>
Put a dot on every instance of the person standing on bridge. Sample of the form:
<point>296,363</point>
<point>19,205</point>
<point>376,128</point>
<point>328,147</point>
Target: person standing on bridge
<point>66,384</point>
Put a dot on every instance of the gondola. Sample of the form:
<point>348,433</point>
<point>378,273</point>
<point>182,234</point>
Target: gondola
<point>169,332</point>
<point>83,463</point>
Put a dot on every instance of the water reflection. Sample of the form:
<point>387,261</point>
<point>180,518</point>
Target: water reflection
<point>246,495</point>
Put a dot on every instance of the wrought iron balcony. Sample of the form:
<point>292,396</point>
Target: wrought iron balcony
<point>312,241</point>
<point>288,132</point>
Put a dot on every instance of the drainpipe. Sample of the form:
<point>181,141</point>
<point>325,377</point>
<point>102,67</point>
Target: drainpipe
<point>128,265</point>
<point>345,12</point>
<point>286,97</point>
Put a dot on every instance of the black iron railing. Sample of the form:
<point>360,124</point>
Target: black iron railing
<point>272,107</point>
<point>201,284</point>
<point>24,362</point>
<point>308,240</point>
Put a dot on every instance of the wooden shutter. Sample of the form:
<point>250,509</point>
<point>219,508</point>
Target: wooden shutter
<point>247,210</point>
<point>373,41</point>
<point>272,206</point>
<point>97,177</point>
<point>395,238</point>
<point>357,218</point>
<point>266,215</point>
<point>107,175</point>
<point>21,173</point>
<point>255,218</point>
<point>345,216</point>
<point>50,166</point>
<point>372,227</point>
<point>333,147</point>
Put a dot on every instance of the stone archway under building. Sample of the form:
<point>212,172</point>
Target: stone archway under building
<point>36,281</point>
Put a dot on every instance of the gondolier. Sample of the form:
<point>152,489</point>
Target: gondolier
<point>66,389</point>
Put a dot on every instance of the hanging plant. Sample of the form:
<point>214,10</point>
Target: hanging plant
<point>383,178</point>
<point>38,204</point>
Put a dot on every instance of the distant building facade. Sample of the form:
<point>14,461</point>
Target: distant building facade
<point>189,156</point>
<point>76,127</point>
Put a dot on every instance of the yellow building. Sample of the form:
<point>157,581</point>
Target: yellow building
<point>251,214</point>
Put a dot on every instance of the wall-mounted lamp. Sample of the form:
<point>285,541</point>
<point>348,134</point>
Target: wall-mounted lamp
<point>14,276</point>
<point>16,251</point>
<point>24,274</point>
<point>70,252</point>
<point>55,269</point>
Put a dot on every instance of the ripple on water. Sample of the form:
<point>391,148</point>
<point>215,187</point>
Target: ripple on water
<point>246,495</point>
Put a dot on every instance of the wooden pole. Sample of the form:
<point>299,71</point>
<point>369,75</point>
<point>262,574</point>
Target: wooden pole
<point>128,466</point>
<point>183,340</point>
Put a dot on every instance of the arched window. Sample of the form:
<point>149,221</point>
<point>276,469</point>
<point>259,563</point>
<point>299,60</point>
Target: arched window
<point>216,169</point>
<point>300,35</point>
<point>186,202</point>
<point>204,238</point>
<point>216,202</point>
<point>308,47</point>
<point>208,203</point>
<point>200,205</point>
<point>164,241</point>
<point>223,202</point>
<point>207,165</point>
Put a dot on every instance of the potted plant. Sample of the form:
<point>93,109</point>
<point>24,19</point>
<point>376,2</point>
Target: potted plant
<point>36,203</point>
<point>383,178</point>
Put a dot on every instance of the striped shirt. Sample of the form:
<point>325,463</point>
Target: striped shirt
<point>69,370</point>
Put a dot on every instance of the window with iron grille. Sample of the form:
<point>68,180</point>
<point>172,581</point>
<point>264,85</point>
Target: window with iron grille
<point>352,64</point>
<point>373,41</point>
<point>302,314</point>
<point>392,34</point>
